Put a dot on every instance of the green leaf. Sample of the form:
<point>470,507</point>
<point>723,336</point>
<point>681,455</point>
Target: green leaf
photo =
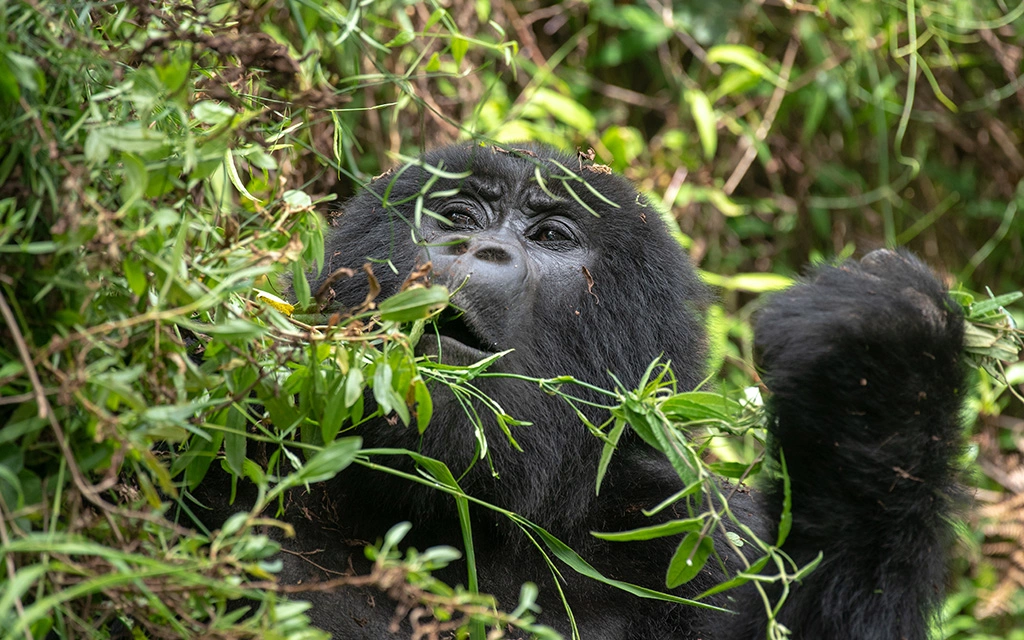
<point>607,451</point>
<point>786,519</point>
<point>300,285</point>
<point>992,304</point>
<point>29,75</point>
<point>135,180</point>
<point>740,579</point>
<point>701,405</point>
<point>424,404</point>
<point>335,411</point>
<point>745,57</point>
<point>212,112</point>
<point>625,143</point>
<point>403,38</point>
<point>297,199</point>
<point>689,558</point>
<point>734,469</point>
<point>412,304</point>
<point>662,530</point>
<point>434,63</point>
<point>753,282</point>
<point>323,465</point>
<point>132,137</point>
<point>581,566</point>
<point>232,329</point>
<point>434,18</point>
<point>353,386</point>
<point>136,276</point>
<point>202,454</point>
<point>564,109</point>
<point>17,586</point>
<point>704,118</point>
<point>459,48</point>
<point>235,440</point>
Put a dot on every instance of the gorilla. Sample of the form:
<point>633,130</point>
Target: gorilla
<point>564,263</point>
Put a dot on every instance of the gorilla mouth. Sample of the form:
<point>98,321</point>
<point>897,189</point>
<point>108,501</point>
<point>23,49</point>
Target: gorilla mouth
<point>454,325</point>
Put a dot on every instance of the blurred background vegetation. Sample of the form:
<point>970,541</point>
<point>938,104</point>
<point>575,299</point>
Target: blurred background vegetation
<point>161,162</point>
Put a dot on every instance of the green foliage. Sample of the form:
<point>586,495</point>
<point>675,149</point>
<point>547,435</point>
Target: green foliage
<point>163,170</point>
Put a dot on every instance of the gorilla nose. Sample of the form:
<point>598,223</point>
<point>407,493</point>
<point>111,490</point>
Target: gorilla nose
<point>490,252</point>
<point>488,263</point>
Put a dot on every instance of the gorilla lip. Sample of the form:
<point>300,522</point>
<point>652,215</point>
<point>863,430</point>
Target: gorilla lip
<point>457,327</point>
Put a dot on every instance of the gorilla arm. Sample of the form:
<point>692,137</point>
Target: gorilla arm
<point>863,361</point>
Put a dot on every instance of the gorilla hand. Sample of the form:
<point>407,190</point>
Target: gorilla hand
<point>864,364</point>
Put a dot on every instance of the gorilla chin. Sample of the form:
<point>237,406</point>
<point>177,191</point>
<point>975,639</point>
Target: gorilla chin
<point>565,264</point>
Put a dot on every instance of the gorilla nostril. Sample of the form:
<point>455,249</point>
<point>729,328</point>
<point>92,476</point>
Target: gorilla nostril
<point>492,253</point>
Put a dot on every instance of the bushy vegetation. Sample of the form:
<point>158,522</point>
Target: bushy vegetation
<point>164,165</point>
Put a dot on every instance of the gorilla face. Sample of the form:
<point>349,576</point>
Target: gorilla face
<point>529,246</point>
<point>505,255</point>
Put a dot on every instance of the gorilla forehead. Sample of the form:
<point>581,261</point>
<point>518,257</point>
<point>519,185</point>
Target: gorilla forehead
<point>535,180</point>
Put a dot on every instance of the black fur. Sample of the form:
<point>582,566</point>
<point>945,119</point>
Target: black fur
<point>862,360</point>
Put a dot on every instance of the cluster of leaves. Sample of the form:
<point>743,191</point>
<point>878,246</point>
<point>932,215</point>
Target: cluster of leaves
<point>148,207</point>
<point>160,168</point>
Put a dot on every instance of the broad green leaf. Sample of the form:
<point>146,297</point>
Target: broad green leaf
<point>424,404</point>
<point>297,199</point>
<point>689,558</point>
<point>415,303</point>
<point>745,57</point>
<point>434,63</point>
<point>753,282</point>
<point>434,18</point>
<point>704,118</point>
<point>335,411</point>
<point>701,405</point>
<point>564,109</point>
<point>26,71</point>
<point>323,465</point>
<point>212,112</point>
<point>135,181</point>
<point>353,386</point>
<point>300,285</point>
<point>130,137</point>
<point>403,38</point>
<point>459,48</point>
<point>136,276</point>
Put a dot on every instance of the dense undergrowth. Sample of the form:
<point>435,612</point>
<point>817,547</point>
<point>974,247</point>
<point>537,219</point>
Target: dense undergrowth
<point>163,165</point>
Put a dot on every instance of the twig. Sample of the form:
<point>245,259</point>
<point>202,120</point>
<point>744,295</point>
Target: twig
<point>692,45</point>
<point>766,124</point>
<point>26,358</point>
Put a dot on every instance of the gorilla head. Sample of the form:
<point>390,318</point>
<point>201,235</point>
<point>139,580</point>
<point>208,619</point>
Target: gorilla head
<point>556,259</point>
<point>568,267</point>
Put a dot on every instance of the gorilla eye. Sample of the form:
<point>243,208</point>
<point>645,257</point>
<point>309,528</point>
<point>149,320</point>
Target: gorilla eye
<point>551,233</point>
<point>460,218</point>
